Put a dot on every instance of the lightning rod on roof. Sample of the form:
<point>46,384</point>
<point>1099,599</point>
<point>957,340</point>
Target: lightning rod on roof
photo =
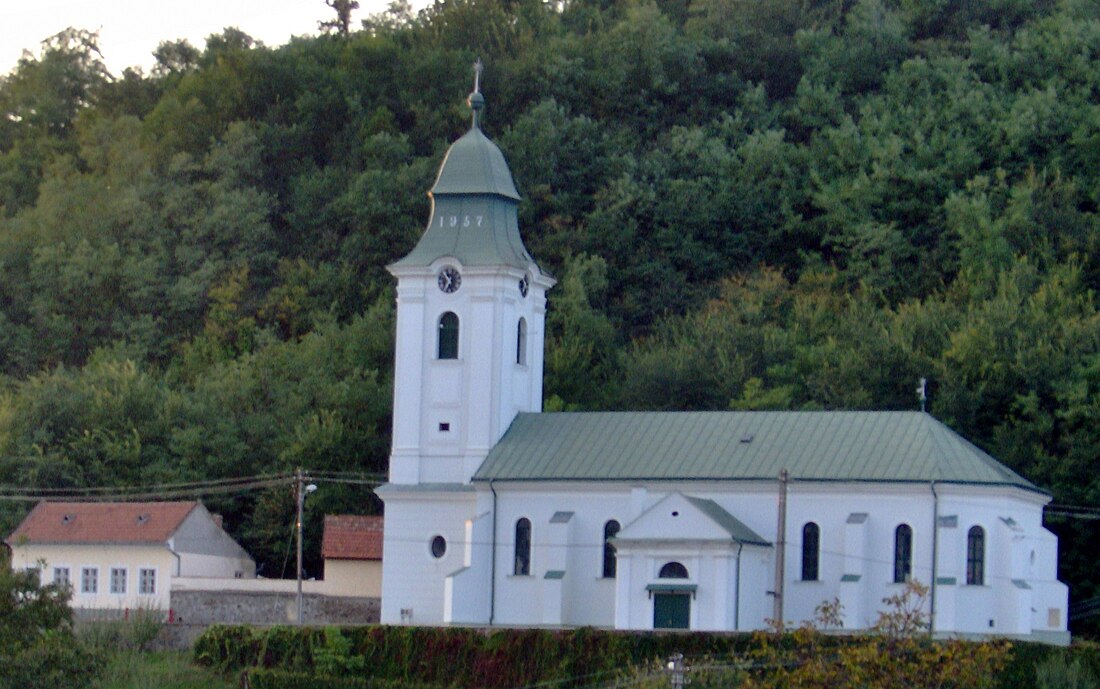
<point>922,392</point>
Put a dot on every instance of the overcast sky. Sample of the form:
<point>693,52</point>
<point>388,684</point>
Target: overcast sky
<point>129,30</point>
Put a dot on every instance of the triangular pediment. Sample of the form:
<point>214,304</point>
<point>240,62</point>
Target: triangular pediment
<point>683,518</point>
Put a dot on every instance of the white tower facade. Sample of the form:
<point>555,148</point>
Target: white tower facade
<point>471,309</point>
<point>471,306</point>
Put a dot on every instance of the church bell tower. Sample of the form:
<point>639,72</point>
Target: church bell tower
<point>471,306</point>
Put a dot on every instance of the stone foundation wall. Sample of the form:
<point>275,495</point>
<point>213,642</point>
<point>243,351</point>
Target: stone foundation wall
<point>263,607</point>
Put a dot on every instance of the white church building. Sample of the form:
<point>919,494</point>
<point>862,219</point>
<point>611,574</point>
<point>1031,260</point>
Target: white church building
<point>499,514</point>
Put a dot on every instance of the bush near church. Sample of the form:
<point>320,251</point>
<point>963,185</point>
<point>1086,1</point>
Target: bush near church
<point>419,658</point>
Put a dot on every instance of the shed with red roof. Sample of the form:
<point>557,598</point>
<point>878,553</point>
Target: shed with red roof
<point>352,548</point>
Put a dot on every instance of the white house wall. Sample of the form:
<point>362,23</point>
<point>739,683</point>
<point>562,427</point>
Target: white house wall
<point>206,550</point>
<point>104,557</point>
<point>352,578</point>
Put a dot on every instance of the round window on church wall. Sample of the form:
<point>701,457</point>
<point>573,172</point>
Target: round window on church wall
<point>439,547</point>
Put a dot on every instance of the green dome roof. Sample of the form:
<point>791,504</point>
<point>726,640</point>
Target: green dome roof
<point>474,165</point>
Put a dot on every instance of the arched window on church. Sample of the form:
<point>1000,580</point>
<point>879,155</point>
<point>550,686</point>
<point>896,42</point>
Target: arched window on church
<point>610,529</point>
<point>673,570</point>
<point>903,553</point>
<point>521,342</point>
<point>975,556</point>
<point>448,336</point>
<point>811,549</point>
<point>523,548</point>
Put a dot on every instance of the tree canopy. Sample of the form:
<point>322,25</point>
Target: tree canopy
<point>796,204</point>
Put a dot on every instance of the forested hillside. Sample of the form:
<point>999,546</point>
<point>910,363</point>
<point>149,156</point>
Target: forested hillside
<point>791,204</point>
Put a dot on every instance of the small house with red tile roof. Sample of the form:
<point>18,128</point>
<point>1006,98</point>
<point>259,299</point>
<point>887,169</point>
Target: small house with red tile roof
<point>352,548</point>
<point>123,555</point>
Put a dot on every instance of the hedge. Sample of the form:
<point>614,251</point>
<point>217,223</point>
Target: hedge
<point>463,657</point>
<point>475,659</point>
<point>260,678</point>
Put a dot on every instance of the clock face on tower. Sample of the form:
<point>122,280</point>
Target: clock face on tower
<point>449,279</point>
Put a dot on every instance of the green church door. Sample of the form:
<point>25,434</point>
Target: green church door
<point>671,611</point>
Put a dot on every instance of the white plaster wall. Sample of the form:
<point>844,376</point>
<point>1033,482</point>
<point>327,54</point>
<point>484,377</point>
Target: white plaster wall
<point>757,578</point>
<point>467,590</point>
<point>207,550</point>
<point>252,585</point>
<point>476,395</point>
<point>104,557</point>
<point>589,599</point>
<point>410,359</point>
<point>352,578</point>
<point>592,601</point>
<point>412,579</point>
<point>1008,552</point>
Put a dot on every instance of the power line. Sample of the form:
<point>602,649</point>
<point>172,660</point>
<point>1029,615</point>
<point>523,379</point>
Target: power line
<point>167,491</point>
<point>148,487</point>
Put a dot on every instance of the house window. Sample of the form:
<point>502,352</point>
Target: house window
<point>610,529</point>
<point>147,581</point>
<point>811,549</point>
<point>975,556</point>
<point>118,580</point>
<point>523,548</point>
<point>521,342</point>
<point>673,570</point>
<point>89,580</point>
<point>448,336</point>
<point>903,553</point>
<point>61,576</point>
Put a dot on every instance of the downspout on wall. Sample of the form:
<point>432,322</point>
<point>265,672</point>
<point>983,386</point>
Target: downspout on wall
<point>493,560</point>
<point>179,561</point>
<point>737,591</point>
<point>780,550</point>
<point>935,547</point>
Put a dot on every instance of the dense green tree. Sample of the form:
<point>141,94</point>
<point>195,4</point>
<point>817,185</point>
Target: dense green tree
<point>37,645</point>
<point>797,204</point>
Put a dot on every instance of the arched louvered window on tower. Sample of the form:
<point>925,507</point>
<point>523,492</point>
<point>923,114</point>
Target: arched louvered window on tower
<point>448,336</point>
<point>975,556</point>
<point>521,342</point>
<point>610,529</point>
<point>811,549</point>
<point>903,553</point>
<point>522,565</point>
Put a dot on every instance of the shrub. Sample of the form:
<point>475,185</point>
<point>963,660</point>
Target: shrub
<point>498,659</point>
<point>227,648</point>
<point>37,645</point>
<point>263,678</point>
<point>1056,672</point>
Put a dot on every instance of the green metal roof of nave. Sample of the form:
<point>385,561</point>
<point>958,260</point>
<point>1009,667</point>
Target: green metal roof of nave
<point>814,446</point>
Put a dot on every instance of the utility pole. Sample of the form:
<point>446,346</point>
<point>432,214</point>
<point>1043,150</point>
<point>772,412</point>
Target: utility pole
<point>301,490</point>
<point>299,498</point>
<point>780,550</point>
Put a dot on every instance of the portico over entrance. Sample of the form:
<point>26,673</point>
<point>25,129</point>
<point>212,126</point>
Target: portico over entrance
<point>681,565</point>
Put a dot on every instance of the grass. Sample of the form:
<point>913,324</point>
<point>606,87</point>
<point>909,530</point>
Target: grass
<point>133,669</point>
